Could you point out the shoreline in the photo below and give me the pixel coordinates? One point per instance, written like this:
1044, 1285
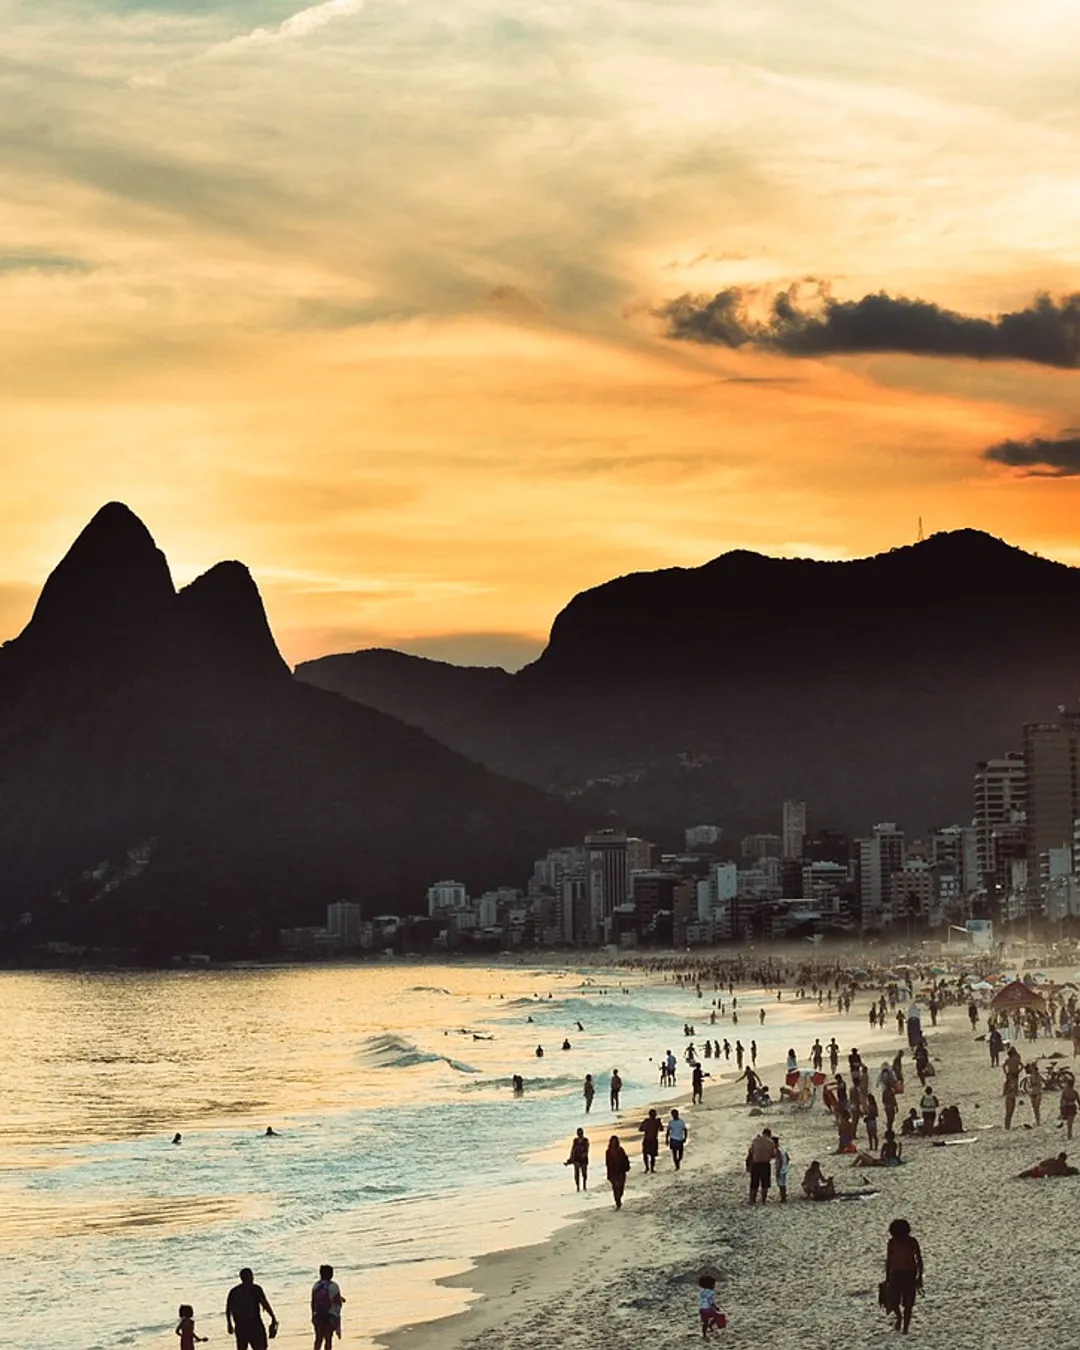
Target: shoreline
789, 1272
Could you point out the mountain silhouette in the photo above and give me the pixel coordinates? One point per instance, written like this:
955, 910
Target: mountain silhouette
869, 688
166, 784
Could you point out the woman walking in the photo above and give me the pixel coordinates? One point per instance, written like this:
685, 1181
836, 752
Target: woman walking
903, 1272
617, 1164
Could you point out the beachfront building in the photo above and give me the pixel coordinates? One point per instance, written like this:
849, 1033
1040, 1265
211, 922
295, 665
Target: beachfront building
1052, 768
793, 829
344, 923
956, 847
609, 878
445, 897
876, 859
1000, 824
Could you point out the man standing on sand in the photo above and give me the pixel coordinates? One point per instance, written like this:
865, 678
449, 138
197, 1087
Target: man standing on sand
817, 1056
616, 1088
995, 1043
243, 1314
650, 1139
834, 1055
675, 1137
759, 1161
1011, 1089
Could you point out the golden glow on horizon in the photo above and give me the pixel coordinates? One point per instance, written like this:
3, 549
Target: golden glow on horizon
365, 295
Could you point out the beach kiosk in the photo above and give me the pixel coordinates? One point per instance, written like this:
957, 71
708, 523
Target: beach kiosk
1015, 996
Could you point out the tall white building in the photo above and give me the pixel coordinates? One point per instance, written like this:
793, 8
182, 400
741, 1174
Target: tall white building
877, 858
716, 891
1000, 803
793, 830
446, 896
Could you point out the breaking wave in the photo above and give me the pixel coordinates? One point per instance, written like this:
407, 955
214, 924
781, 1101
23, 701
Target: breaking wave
396, 1052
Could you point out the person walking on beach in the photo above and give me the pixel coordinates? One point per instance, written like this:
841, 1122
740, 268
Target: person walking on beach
817, 1056
834, 1055
753, 1053
650, 1139
579, 1160
783, 1168
995, 1043
903, 1272
727, 1050
1035, 1091
870, 1118
739, 1052
326, 1301
617, 1165
759, 1161
616, 1088
697, 1085
712, 1319
243, 1313
675, 1137
1070, 1099
928, 1105
588, 1091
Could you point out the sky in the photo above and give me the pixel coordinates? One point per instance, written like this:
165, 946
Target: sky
437, 313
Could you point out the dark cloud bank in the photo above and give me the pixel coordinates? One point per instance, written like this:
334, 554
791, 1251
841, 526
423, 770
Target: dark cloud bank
1047, 332
1041, 458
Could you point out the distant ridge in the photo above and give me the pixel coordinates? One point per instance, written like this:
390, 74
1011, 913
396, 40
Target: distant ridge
869, 687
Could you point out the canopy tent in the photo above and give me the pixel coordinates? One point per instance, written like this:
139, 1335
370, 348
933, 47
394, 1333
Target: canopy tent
1017, 995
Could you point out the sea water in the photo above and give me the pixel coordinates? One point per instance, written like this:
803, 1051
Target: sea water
401, 1151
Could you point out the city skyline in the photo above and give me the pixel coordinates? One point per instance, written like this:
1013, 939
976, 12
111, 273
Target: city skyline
438, 320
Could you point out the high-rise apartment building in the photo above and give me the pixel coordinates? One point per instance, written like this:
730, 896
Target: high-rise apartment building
1000, 804
446, 896
877, 858
793, 830
343, 923
609, 877
1052, 767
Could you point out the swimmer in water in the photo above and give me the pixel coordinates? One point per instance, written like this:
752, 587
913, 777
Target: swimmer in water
177, 1137
271, 1133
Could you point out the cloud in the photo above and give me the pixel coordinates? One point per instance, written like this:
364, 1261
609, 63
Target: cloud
1046, 332
1042, 458
299, 25
26, 260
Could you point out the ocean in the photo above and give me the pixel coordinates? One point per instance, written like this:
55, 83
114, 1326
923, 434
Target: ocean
400, 1151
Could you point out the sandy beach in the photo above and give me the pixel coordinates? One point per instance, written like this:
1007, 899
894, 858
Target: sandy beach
998, 1250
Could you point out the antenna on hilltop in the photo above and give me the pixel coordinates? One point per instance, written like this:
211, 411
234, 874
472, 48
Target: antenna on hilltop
922, 537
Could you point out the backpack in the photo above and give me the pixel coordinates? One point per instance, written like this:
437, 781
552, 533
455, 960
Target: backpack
322, 1304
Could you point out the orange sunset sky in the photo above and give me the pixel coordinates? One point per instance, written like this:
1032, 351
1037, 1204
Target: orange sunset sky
377, 295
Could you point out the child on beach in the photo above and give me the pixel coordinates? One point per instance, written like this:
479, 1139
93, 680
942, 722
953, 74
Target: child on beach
712, 1319
186, 1328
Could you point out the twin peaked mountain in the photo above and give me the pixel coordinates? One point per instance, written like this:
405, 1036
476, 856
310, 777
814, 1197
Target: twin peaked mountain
165, 783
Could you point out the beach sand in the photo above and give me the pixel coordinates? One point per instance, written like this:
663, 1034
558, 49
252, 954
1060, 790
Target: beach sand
998, 1250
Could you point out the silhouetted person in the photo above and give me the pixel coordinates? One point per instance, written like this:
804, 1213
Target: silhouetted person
177, 1137
243, 1313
